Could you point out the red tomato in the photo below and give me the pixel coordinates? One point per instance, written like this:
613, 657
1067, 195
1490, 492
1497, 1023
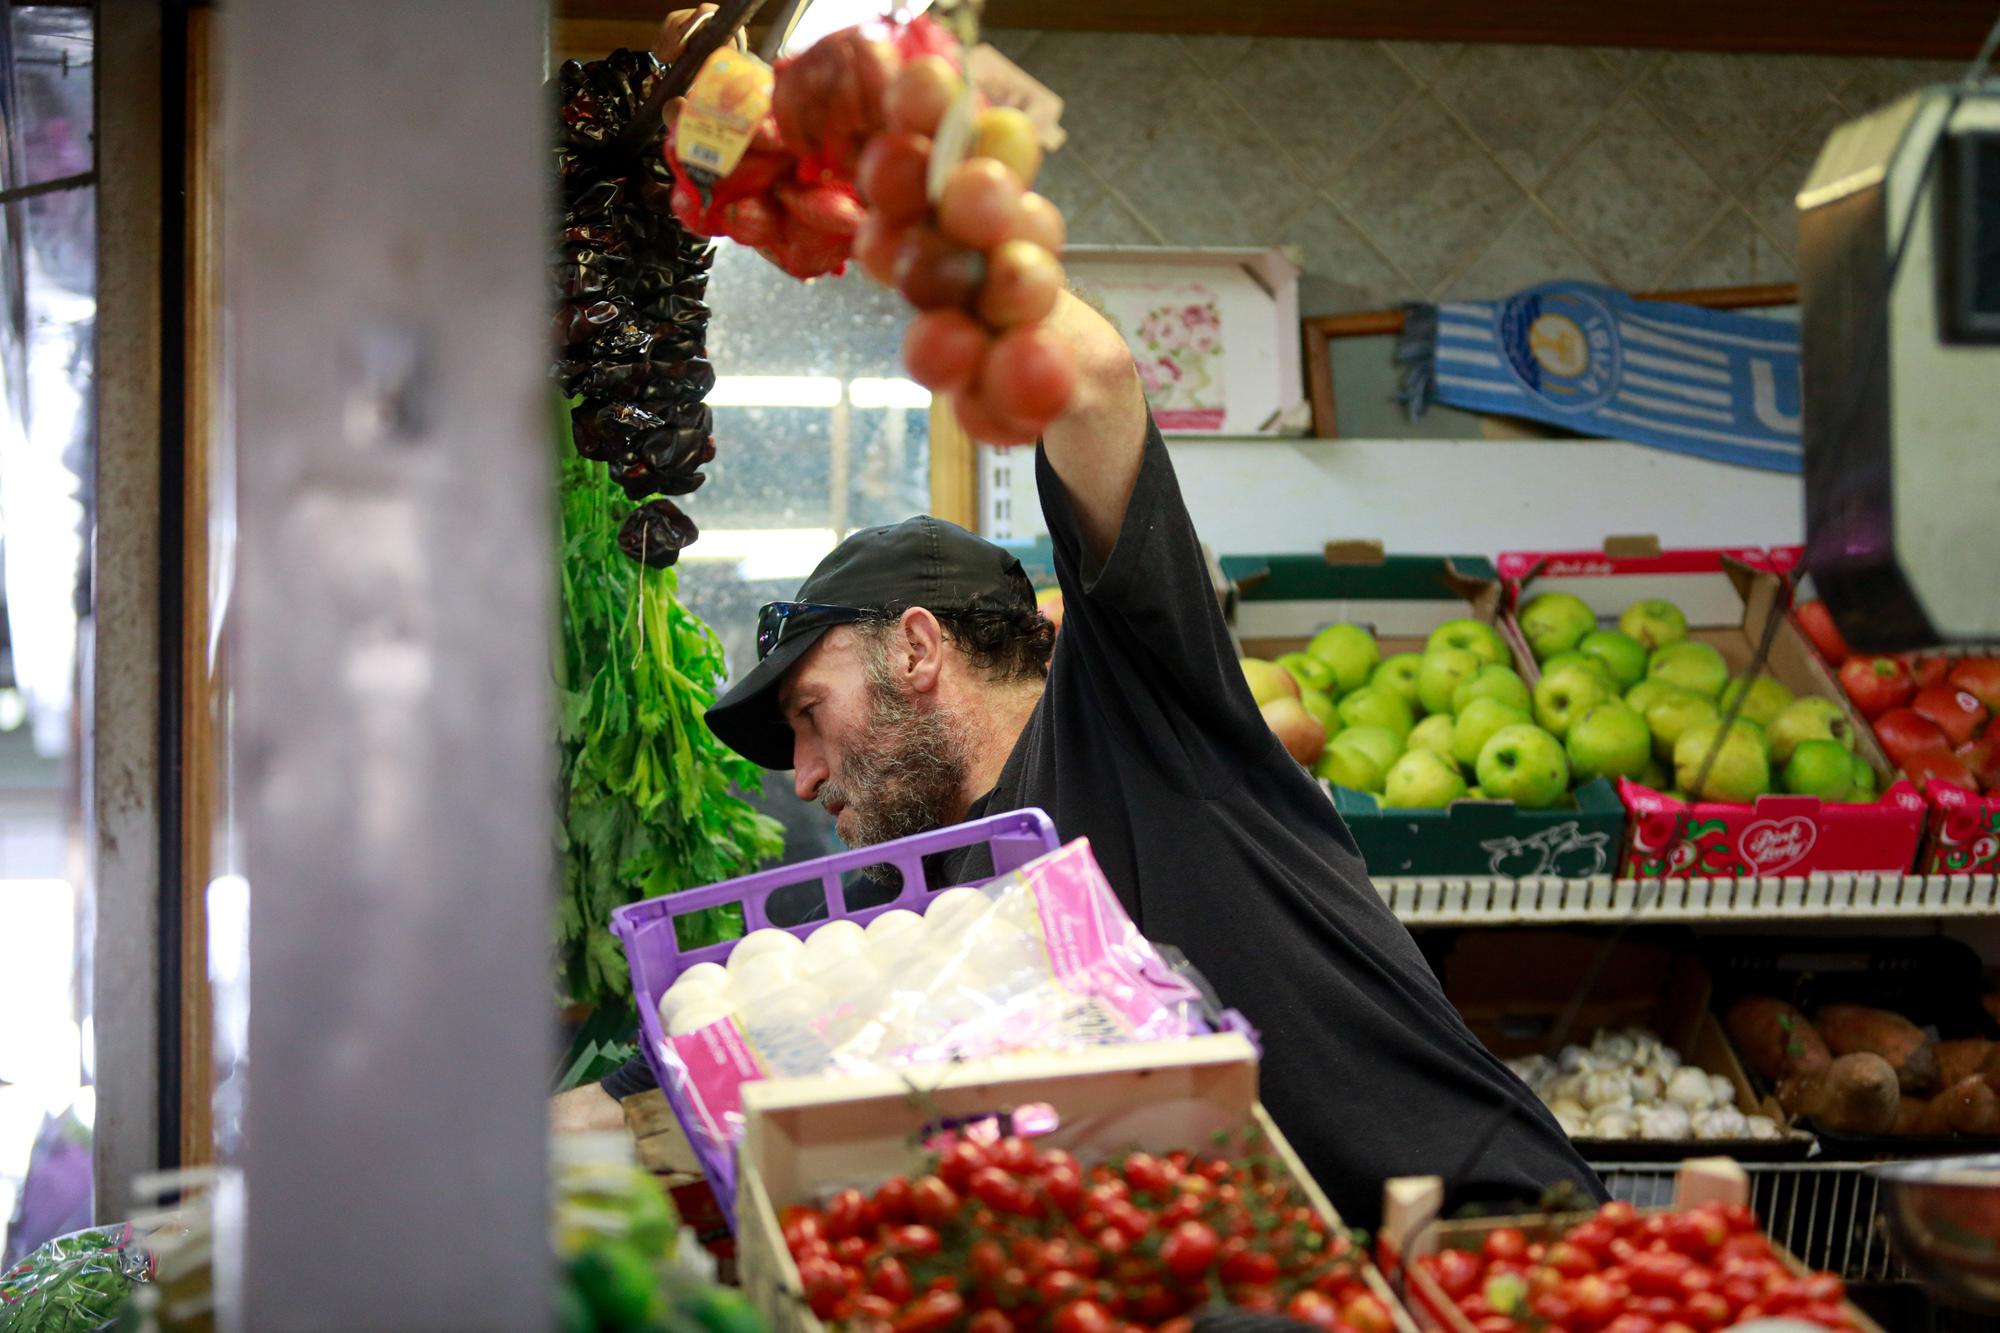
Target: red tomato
1134, 1222
1658, 1274
1062, 1185
1570, 1259
852, 1250
890, 1280
1178, 1324
1980, 678
1595, 1300
1697, 1233
801, 1226
1817, 622
1619, 1215
1059, 1286
1876, 684
1184, 1208
1014, 1153
1365, 1313
1310, 1307
998, 1190
1083, 1317
934, 1202
1739, 1216
1593, 1238
847, 1214
1706, 1310
963, 1158
1189, 1249
1745, 1245
986, 1260
911, 1240
827, 1285
1153, 1302
1958, 713
1505, 1243
1553, 1308
1456, 1271
1632, 1323
1826, 1288
932, 1312
1248, 1267
1145, 1174
990, 1321
1496, 1323
873, 1306
892, 1201
1071, 1257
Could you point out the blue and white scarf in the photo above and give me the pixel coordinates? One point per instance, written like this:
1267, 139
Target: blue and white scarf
1596, 361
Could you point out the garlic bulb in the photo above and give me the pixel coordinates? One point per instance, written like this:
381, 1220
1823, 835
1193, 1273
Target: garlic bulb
1606, 1087
1721, 1092
1761, 1126
1723, 1122
1664, 1122
1613, 1123
1572, 1119
1575, 1060
1647, 1086
1666, 1062
1613, 1048
1690, 1088
1563, 1086
1533, 1070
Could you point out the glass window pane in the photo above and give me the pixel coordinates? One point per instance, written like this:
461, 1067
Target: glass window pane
47, 102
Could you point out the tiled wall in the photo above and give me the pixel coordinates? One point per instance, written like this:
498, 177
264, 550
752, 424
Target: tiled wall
1406, 170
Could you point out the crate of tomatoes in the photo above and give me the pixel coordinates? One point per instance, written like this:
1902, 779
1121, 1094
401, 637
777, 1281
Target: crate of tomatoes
1087, 1192
1702, 1264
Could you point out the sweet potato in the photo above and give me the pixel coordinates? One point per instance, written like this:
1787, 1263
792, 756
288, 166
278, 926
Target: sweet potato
1855, 1094
1853, 1029
1969, 1106
1775, 1038
1913, 1118
1962, 1058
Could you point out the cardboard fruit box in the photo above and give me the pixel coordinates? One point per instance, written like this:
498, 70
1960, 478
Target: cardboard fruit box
1281, 601
805, 1137
1513, 988
1411, 1231
1729, 597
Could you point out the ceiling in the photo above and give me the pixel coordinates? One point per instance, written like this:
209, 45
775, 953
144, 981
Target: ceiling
1930, 28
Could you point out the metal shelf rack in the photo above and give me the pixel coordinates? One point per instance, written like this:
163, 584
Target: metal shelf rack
1499, 901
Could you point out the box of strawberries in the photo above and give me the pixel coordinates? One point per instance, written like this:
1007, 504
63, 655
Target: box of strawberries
1937, 718
1643, 671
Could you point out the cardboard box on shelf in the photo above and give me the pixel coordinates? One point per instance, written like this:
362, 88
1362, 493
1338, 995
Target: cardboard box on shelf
1730, 598
1961, 831
1513, 988
1281, 601
806, 1136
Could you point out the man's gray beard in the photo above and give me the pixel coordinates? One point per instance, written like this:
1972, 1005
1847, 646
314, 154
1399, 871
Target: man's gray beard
907, 778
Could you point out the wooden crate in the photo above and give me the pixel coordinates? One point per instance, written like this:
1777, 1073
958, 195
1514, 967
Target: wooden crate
805, 1136
1410, 1206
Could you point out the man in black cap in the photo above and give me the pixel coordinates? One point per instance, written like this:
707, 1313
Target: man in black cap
910, 684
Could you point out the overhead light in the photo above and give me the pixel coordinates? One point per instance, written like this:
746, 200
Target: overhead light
13, 708
896, 392
820, 17
775, 391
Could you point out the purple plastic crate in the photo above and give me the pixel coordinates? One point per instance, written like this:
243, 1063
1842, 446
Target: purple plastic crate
654, 955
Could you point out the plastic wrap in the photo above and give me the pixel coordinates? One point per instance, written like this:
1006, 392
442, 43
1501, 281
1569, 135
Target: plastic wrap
1043, 958
77, 1283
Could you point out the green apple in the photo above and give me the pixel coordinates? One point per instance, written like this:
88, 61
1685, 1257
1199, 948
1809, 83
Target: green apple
1564, 695
1624, 657
1492, 682
1577, 657
1525, 765
1370, 707
1610, 740
1656, 776
1399, 673
1740, 770
1820, 768
1421, 780
1349, 766
1673, 713
1654, 623
1864, 777
1268, 681
1433, 733
1476, 794
1690, 665
1555, 622
1438, 677
1308, 671
1350, 650
1378, 743
1475, 636
1322, 709
1476, 725
1641, 696
1808, 719
1762, 704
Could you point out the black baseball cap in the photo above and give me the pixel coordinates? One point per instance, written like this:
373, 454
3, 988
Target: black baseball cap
922, 561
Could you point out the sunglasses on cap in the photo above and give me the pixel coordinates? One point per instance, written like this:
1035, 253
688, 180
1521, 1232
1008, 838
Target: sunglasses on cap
774, 618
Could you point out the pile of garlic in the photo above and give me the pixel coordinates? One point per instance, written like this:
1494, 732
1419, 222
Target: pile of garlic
1628, 1084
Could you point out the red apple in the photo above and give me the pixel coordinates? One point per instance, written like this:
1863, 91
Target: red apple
1906, 733
1928, 671
1817, 622
1980, 678
1941, 765
1983, 758
1956, 712
1876, 684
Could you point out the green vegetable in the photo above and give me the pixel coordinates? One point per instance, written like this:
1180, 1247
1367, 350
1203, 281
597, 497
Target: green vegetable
649, 802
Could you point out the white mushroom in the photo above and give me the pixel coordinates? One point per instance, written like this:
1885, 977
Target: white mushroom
1689, 1088
1723, 1122
1664, 1122
1606, 1087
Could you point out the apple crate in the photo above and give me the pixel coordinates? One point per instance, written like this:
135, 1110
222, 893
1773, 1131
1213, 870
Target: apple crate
1962, 831
1729, 596
807, 1137
1411, 1230
1281, 601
